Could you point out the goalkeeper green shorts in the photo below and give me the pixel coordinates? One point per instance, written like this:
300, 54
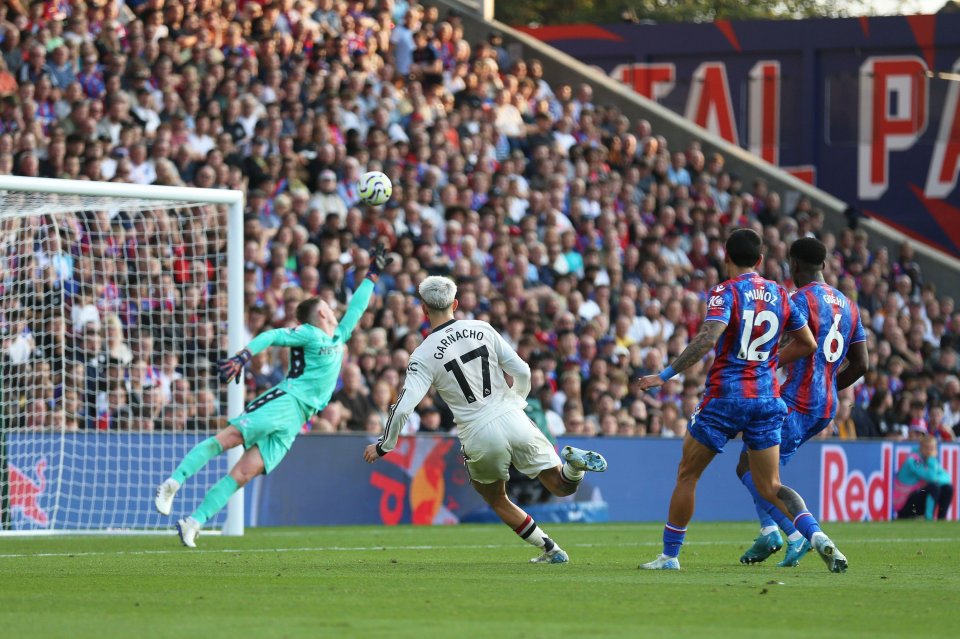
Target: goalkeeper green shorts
271, 422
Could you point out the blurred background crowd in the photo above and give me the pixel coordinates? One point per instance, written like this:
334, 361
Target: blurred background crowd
585, 237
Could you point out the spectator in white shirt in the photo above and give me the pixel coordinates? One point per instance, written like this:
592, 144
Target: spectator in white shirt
199, 141
651, 328
142, 170
673, 254
403, 43
145, 111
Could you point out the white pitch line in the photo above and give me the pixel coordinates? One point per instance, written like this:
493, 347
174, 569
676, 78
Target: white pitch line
638, 544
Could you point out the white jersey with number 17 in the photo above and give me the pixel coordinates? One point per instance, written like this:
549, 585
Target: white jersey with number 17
465, 361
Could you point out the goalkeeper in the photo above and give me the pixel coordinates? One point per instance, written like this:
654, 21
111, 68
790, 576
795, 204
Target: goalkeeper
270, 423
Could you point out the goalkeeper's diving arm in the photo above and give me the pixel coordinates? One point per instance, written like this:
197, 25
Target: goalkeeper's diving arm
231, 367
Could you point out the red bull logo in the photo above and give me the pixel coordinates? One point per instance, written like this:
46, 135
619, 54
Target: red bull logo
847, 494
24, 493
857, 485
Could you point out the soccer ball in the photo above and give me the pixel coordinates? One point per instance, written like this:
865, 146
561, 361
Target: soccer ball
375, 188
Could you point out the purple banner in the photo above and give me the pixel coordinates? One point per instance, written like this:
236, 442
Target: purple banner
864, 108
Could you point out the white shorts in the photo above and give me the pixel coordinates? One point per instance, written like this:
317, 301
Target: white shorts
491, 447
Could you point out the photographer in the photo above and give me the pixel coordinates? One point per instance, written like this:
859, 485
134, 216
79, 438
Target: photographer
922, 485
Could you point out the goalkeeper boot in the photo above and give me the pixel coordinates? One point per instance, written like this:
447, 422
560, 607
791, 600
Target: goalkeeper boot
795, 552
188, 530
555, 556
662, 562
164, 498
763, 546
584, 459
828, 551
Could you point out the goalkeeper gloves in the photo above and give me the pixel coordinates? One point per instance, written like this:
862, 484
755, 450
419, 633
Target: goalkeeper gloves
231, 368
378, 262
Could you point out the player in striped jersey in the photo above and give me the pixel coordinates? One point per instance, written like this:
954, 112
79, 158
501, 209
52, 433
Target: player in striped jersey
465, 361
746, 315
810, 391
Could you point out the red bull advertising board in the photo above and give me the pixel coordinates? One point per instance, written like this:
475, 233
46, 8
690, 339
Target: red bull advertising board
107, 482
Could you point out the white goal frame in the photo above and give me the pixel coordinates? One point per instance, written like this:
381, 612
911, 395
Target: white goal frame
234, 200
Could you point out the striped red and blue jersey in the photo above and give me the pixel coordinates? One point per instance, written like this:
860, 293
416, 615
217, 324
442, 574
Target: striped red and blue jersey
756, 312
811, 386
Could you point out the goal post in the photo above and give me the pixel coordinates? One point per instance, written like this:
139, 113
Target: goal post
115, 302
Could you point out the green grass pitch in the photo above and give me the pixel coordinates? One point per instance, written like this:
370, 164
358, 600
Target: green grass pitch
473, 581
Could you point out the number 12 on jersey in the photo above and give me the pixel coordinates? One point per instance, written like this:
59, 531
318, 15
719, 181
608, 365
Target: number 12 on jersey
750, 350
454, 367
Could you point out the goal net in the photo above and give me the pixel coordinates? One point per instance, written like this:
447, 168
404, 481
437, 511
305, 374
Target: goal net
116, 301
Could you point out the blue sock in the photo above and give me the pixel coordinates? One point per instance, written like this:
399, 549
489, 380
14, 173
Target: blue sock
771, 513
672, 539
782, 520
806, 524
761, 505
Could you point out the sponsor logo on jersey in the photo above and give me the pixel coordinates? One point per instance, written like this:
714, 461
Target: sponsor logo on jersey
715, 302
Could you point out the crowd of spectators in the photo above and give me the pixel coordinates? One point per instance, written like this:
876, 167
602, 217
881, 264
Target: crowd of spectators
584, 236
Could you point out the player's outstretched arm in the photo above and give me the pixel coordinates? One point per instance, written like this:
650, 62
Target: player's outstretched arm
361, 298
415, 387
231, 367
857, 363
702, 343
802, 343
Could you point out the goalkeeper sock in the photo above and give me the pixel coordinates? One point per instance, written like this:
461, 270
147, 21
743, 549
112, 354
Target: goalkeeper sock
215, 499
531, 533
196, 459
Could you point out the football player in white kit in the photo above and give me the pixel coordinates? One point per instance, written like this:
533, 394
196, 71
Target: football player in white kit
465, 361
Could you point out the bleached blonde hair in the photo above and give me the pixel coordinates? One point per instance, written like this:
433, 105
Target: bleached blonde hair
438, 292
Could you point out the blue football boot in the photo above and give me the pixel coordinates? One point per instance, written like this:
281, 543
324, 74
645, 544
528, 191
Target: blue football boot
763, 546
795, 552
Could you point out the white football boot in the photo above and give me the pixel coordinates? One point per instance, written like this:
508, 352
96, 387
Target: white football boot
662, 562
189, 530
164, 498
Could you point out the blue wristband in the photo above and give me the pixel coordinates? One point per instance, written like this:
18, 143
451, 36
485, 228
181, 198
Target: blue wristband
667, 373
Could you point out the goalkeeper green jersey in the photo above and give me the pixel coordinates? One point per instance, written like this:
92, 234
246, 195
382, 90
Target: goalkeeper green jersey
315, 357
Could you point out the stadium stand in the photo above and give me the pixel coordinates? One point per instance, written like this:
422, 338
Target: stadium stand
587, 237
